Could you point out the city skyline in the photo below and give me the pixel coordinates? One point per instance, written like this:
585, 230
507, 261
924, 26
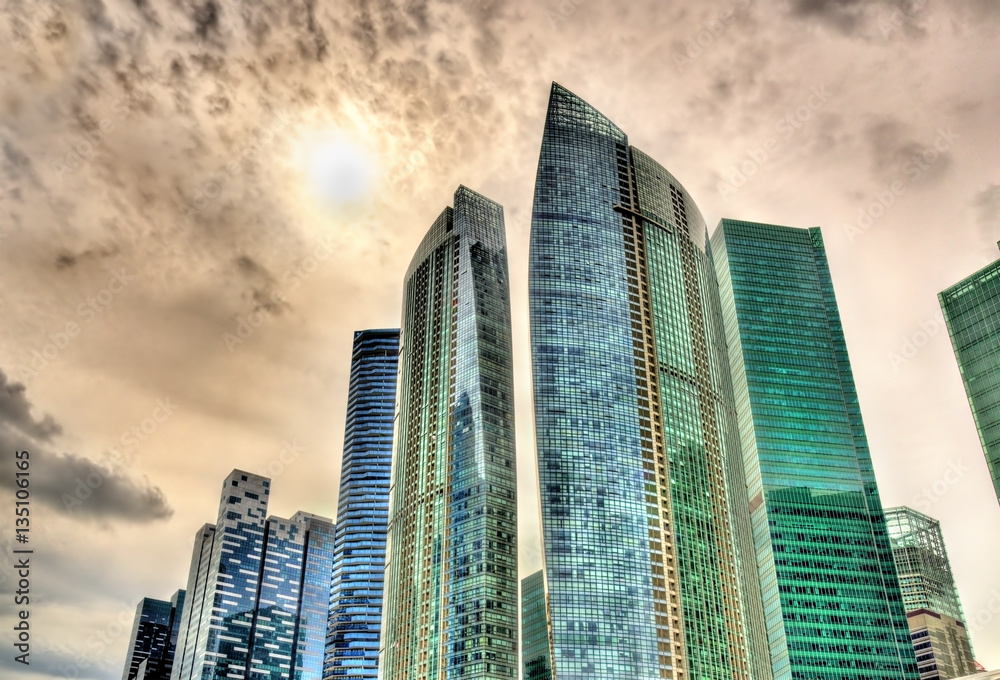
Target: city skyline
216, 283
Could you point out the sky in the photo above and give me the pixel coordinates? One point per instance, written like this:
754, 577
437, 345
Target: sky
201, 201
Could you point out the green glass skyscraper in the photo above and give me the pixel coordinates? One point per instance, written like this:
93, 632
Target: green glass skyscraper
972, 312
634, 419
450, 595
831, 596
535, 643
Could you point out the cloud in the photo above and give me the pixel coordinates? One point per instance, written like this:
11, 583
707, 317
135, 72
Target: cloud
71, 484
987, 206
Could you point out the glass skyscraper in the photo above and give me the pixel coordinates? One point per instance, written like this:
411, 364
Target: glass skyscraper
363, 509
258, 592
535, 643
154, 638
972, 312
831, 596
933, 611
451, 559
634, 419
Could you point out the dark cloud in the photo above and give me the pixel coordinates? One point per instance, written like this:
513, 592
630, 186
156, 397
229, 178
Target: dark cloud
895, 155
71, 484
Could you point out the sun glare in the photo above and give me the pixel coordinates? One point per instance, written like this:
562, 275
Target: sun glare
340, 171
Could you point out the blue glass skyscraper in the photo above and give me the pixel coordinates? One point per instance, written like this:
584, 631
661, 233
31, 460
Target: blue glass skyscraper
258, 592
363, 509
634, 419
451, 560
154, 638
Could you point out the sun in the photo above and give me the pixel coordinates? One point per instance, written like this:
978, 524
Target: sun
340, 171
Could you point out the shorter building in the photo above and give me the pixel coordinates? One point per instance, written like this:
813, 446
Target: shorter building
933, 610
535, 628
941, 644
154, 638
258, 591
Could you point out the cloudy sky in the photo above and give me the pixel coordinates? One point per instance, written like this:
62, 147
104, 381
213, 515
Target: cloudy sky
200, 201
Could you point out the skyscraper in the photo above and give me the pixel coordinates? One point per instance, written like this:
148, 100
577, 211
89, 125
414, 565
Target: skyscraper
972, 312
451, 558
634, 419
363, 509
535, 629
154, 638
831, 595
933, 610
258, 591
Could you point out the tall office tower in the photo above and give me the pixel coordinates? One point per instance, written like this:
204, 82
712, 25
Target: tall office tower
363, 509
154, 638
222, 584
258, 592
634, 419
831, 595
972, 312
451, 557
933, 610
535, 643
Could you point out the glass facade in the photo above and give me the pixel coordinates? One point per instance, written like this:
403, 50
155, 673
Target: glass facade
831, 596
154, 639
922, 562
535, 643
363, 509
934, 612
258, 592
634, 419
451, 556
972, 312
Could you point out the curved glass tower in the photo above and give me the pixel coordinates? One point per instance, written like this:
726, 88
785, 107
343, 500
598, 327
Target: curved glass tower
634, 419
363, 509
451, 571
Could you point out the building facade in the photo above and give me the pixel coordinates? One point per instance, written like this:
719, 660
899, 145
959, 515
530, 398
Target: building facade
258, 591
634, 419
941, 644
933, 610
535, 642
972, 313
451, 557
154, 638
831, 596
363, 509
